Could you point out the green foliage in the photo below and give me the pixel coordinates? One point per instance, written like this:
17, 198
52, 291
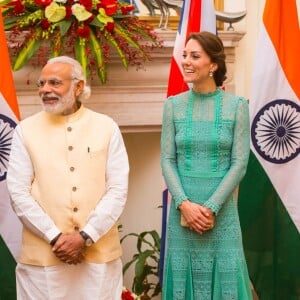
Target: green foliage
146, 264
91, 31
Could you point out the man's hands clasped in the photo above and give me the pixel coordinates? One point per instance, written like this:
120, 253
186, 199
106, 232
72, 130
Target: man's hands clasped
69, 248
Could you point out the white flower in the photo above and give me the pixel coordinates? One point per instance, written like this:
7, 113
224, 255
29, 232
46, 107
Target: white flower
54, 12
80, 12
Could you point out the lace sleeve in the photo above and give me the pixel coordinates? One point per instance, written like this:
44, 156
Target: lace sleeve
239, 158
168, 155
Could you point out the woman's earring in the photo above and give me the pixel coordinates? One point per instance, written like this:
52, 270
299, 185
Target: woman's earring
211, 74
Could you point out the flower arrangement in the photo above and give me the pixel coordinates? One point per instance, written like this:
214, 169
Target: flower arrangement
87, 29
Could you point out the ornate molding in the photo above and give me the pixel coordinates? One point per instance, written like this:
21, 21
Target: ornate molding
134, 98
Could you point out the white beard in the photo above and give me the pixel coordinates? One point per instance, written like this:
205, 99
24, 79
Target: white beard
62, 105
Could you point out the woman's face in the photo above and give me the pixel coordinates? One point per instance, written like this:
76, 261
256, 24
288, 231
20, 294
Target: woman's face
196, 64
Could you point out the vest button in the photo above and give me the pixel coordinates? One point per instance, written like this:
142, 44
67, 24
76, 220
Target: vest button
76, 228
72, 169
69, 128
70, 148
75, 209
74, 188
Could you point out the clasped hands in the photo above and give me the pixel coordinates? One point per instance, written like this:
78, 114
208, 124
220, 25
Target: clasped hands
69, 248
198, 217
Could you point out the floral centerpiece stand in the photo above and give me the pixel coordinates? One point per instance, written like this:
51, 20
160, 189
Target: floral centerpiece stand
86, 29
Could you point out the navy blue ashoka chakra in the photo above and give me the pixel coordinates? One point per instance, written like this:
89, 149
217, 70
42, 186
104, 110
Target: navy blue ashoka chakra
7, 126
275, 131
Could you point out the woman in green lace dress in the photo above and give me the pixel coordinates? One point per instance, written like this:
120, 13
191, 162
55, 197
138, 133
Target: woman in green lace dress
204, 154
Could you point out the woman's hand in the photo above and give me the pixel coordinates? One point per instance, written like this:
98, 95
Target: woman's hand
198, 217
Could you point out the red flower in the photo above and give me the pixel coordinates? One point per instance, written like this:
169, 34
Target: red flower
68, 12
18, 6
45, 24
111, 9
110, 26
126, 295
108, 2
89, 20
87, 4
110, 6
126, 9
83, 31
43, 2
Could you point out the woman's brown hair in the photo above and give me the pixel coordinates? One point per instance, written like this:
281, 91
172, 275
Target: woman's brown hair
214, 48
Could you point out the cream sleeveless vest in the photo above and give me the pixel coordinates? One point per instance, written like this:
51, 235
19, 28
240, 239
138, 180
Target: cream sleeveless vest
69, 155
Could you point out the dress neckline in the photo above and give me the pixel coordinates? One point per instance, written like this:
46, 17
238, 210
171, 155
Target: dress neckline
206, 95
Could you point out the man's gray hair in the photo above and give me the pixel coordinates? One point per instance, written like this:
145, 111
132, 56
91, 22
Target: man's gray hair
77, 73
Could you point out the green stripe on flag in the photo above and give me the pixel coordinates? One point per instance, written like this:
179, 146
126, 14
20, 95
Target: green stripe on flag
7, 273
271, 239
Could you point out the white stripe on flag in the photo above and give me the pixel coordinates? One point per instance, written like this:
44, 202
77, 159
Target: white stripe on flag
10, 226
181, 33
208, 23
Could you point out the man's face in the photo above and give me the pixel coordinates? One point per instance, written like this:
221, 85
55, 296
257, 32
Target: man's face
57, 89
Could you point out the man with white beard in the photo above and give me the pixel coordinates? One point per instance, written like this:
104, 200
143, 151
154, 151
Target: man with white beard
68, 180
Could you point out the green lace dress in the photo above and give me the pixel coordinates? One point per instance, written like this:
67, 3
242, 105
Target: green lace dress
204, 154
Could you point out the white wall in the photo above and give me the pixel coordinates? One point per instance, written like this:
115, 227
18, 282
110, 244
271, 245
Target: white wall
246, 50
142, 212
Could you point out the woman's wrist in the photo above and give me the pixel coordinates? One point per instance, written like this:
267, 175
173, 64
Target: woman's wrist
183, 203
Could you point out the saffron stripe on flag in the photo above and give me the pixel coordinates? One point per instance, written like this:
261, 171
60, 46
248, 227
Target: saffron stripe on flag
6, 78
282, 26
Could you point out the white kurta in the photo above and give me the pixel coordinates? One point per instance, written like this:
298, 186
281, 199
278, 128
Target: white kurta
83, 281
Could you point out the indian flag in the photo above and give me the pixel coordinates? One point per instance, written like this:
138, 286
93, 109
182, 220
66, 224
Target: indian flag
269, 197
10, 227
